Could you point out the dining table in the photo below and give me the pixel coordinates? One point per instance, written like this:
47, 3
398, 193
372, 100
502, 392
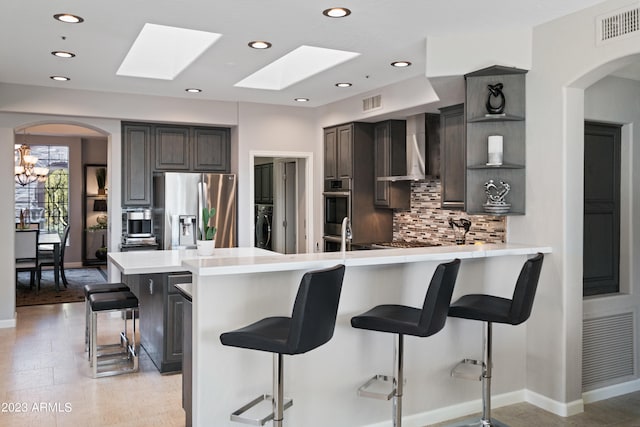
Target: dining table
53, 239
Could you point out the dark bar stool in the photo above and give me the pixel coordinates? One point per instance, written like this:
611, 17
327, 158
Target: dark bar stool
95, 288
119, 362
311, 324
491, 309
402, 320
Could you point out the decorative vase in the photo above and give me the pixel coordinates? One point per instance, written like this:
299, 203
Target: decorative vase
205, 247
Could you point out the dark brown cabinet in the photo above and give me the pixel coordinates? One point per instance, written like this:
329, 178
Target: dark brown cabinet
263, 183
148, 148
338, 149
390, 159
172, 148
453, 156
136, 164
210, 148
161, 315
183, 148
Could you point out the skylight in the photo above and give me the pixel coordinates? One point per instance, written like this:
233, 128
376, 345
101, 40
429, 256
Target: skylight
161, 52
297, 65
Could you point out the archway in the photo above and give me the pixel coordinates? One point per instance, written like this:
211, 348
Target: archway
79, 144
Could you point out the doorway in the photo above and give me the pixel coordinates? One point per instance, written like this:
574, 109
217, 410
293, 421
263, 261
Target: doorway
280, 202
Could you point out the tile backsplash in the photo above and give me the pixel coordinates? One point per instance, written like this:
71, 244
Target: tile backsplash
425, 221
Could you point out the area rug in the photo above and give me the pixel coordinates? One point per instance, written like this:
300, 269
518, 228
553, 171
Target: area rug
77, 278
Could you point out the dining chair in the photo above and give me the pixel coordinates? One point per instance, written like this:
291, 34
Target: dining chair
46, 256
26, 254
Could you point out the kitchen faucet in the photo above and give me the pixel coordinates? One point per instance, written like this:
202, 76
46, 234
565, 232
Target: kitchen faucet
346, 234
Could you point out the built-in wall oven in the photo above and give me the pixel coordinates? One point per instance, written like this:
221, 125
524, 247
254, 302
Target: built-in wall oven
337, 205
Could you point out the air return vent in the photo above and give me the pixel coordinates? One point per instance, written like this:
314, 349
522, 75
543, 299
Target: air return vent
621, 23
372, 103
607, 350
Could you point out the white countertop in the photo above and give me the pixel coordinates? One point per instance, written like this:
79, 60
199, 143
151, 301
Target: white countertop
212, 266
254, 260
147, 262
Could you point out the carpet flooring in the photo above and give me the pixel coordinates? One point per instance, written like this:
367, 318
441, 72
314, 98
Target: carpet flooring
77, 278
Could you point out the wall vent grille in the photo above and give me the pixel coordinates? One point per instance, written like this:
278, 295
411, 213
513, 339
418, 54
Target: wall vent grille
607, 350
372, 103
618, 24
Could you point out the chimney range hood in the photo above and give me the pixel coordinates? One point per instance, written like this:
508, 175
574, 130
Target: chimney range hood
416, 149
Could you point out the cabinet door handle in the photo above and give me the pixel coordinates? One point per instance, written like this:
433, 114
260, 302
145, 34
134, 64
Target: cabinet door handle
150, 286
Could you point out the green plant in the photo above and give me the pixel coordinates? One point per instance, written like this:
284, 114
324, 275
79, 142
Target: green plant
208, 232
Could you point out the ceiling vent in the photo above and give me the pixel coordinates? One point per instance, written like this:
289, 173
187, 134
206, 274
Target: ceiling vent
616, 25
372, 103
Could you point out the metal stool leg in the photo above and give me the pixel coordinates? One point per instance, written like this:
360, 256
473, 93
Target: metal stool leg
278, 390
487, 368
398, 380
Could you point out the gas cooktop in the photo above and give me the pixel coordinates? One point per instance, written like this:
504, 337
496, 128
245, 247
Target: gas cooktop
402, 244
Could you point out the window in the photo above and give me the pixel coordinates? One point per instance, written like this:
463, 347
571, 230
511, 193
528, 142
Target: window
47, 202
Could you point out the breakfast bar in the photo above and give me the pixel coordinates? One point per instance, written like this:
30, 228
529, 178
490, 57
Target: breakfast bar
240, 285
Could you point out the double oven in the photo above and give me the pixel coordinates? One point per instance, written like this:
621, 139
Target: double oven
337, 205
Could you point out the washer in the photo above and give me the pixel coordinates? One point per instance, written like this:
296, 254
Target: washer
264, 218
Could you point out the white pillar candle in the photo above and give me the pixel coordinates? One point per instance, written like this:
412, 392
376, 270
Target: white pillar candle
495, 150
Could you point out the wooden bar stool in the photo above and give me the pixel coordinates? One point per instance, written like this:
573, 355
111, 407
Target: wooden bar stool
311, 325
402, 320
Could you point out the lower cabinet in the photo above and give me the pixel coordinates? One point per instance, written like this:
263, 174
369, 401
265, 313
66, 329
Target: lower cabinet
187, 364
161, 318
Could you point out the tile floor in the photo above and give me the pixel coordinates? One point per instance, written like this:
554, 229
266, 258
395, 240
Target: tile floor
45, 375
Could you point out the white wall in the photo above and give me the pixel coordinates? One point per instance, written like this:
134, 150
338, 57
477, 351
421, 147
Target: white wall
555, 133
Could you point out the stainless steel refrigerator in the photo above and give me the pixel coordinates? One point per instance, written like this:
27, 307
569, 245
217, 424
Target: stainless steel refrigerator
178, 200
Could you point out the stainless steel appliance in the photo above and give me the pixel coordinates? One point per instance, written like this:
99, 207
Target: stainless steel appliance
353, 199
178, 200
264, 218
138, 223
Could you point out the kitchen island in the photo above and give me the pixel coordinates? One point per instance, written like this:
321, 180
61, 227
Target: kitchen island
242, 285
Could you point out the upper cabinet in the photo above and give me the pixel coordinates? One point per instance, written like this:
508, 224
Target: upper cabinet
136, 164
172, 148
338, 149
495, 141
183, 148
211, 149
149, 148
390, 159
452, 156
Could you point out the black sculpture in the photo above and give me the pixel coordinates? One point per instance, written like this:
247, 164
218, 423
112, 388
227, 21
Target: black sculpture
495, 91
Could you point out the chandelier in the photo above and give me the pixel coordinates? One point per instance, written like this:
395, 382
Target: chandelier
25, 169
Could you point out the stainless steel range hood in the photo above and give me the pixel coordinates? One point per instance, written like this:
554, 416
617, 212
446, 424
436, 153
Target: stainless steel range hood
416, 149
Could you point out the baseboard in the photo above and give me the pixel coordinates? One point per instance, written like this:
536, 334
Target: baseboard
455, 411
559, 408
9, 323
611, 391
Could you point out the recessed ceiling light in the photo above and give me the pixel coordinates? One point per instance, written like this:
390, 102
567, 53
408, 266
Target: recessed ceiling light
336, 12
68, 18
259, 44
193, 90
60, 78
62, 54
344, 84
301, 99
401, 64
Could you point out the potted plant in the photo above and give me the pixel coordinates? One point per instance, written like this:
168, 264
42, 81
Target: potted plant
101, 179
207, 233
